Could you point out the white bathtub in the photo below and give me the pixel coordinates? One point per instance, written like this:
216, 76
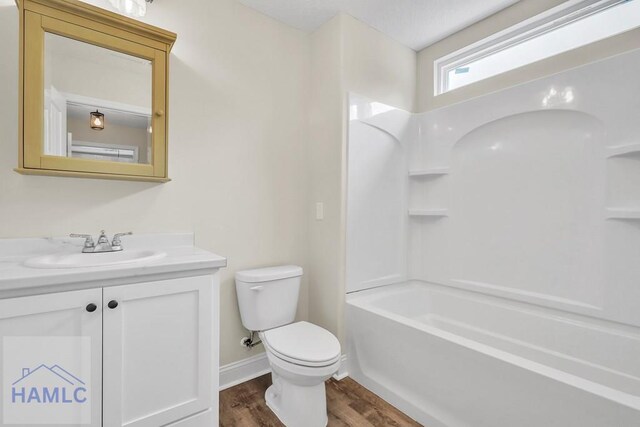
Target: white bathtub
450, 357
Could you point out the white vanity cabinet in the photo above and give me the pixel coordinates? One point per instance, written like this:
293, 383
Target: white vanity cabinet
158, 352
54, 315
153, 347
96, 341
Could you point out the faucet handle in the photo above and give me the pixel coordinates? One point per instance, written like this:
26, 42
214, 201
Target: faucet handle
116, 240
103, 237
88, 243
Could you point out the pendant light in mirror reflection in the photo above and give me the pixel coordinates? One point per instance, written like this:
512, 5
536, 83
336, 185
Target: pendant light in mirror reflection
96, 120
134, 8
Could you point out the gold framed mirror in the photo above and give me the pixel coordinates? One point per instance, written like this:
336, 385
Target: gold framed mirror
93, 95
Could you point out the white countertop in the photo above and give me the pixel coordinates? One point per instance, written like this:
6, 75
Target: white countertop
182, 258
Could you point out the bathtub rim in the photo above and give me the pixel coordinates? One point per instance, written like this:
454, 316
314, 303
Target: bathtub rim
362, 300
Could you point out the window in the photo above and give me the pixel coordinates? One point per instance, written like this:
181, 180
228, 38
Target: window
569, 26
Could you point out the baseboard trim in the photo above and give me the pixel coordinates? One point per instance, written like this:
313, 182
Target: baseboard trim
343, 372
243, 370
247, 369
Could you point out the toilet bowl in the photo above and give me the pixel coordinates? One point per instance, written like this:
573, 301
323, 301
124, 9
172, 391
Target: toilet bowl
297, 395
302, 356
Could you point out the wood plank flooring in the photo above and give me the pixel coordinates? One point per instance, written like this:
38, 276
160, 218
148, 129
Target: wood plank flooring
348, 404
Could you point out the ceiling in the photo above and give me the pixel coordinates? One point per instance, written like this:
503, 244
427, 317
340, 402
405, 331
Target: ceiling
414, 23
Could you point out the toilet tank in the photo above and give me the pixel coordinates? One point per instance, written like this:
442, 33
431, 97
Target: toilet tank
268, 297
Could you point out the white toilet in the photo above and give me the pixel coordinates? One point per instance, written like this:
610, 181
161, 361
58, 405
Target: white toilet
302, 355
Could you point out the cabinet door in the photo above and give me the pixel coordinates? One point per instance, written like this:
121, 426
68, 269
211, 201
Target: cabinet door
157, 351
51, 359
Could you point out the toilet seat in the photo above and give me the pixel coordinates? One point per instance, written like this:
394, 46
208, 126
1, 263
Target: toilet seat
304, 344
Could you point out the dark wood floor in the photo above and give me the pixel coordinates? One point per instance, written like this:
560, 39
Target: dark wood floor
348, 404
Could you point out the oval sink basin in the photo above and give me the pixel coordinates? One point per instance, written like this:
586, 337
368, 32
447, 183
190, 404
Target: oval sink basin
81, 260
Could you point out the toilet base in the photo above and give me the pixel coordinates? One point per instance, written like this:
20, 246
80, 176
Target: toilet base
295, 405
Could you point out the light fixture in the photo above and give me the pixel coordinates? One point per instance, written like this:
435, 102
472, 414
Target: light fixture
134, 8
96, 120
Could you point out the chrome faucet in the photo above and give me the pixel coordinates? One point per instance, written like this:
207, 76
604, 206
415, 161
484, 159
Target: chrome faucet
103, 244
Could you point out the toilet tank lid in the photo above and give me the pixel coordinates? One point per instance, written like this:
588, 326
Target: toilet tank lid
269, 273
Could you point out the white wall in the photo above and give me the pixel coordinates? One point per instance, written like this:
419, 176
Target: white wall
237, 153
346, 56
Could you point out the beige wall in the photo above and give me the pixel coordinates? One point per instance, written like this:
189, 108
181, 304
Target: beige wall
325, 175
377, 66
257, 137
346, 56
501, 20
238, 126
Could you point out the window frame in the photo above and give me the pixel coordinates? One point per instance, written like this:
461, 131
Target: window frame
560, 16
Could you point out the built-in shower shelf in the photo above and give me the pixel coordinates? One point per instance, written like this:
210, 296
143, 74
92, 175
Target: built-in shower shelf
623, 213
429, 212
623, 150
429, 172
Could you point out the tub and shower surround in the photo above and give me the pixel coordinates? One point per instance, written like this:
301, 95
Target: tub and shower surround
500, 285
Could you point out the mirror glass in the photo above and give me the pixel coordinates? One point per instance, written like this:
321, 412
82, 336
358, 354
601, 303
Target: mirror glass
97, 102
